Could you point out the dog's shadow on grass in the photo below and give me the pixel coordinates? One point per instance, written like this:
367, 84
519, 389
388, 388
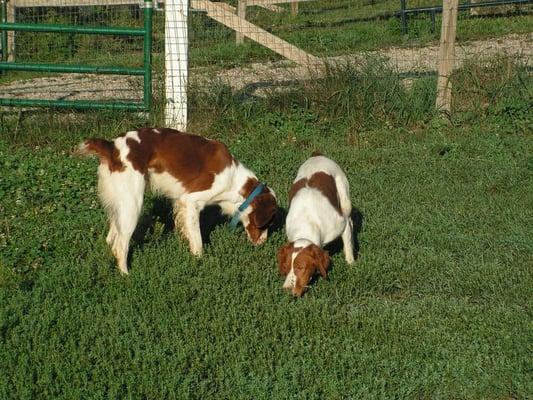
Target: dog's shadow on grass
278, 223
160, 214
160, 218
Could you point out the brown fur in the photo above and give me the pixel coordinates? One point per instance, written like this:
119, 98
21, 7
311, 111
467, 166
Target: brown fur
264, 208
295, 188
191, 159
320, 181
308, 262
284, 258
107, 152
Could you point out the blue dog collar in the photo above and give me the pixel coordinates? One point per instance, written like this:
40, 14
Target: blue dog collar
235, 218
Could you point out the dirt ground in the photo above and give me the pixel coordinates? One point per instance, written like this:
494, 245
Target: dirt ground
255, 76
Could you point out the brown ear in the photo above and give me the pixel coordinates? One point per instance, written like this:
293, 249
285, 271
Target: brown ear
265, 208
322, 259
284, 259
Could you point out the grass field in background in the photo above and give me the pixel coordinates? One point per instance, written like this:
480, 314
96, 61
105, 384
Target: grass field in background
331, 30
322, 28
437, 305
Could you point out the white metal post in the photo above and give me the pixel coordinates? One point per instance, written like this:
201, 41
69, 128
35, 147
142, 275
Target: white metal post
176, 56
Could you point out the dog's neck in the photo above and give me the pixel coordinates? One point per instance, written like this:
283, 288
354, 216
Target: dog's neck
235, 195
305, 230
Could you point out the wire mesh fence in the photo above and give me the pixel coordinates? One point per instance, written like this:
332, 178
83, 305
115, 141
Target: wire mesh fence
355, 32
326, 29
254, 44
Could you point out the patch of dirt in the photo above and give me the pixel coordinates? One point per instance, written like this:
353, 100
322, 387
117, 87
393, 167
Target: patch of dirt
258, 75
76, 87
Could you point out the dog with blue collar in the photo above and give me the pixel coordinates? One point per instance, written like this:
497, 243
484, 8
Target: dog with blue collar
256, 213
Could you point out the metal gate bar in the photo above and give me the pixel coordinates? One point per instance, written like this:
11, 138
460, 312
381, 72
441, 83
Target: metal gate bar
145, 71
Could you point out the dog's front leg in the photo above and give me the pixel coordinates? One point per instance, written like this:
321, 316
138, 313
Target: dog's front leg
187, 218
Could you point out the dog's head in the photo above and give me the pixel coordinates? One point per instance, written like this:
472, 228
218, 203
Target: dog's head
299, 261
263, 209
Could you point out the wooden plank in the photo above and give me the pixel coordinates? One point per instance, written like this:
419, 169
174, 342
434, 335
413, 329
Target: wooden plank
294, 7
241, 12
228, 7
10, 17
255, 33
272, 7
446, 57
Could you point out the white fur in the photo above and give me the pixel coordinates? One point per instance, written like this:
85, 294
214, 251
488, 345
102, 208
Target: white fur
122, 195
290, 280
312, 217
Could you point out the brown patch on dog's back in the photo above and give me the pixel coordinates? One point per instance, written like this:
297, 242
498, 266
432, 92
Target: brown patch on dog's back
295, 188
321, 181
191, 159
326, 184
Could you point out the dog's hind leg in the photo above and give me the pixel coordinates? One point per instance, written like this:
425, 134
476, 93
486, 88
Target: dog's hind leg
122, 196
347, 241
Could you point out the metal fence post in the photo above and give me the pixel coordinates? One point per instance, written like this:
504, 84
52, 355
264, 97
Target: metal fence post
147, 50
3, 18
403, 16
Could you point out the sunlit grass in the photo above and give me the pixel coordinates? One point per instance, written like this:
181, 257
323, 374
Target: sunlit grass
436, 306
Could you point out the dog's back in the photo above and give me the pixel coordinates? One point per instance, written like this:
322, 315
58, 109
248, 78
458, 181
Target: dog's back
324, 174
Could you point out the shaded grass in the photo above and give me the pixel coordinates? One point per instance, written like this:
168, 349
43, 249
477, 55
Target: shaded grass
438, 304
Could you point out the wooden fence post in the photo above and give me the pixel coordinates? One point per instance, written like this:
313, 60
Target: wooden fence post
241, 13
10, 17
294, 7
446, 57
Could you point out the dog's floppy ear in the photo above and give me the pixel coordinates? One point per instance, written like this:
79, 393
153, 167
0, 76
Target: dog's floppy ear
284, 258
322, 259
265, 208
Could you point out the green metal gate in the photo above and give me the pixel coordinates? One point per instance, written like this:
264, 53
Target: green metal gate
145, 71
3, 34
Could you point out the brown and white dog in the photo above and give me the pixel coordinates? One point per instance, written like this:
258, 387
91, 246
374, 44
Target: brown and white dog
319, 212
190, 170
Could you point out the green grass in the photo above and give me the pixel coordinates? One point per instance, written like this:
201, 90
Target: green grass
438, 304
